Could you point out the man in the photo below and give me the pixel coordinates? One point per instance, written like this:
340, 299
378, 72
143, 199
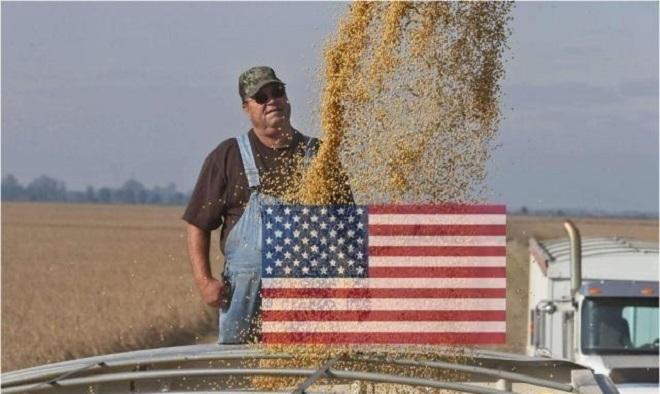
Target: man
237, 178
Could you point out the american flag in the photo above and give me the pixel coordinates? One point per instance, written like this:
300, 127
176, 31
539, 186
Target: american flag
384, 274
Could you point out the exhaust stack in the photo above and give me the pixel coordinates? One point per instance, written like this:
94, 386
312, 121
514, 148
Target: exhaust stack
576, 256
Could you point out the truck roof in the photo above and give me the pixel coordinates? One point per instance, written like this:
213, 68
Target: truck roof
602, 258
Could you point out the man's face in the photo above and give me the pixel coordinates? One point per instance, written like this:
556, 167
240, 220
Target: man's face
269, 109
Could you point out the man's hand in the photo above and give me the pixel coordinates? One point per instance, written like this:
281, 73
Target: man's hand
212, 290
214, 293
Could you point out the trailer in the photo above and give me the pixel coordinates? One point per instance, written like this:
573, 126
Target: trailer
233, 368
594, 301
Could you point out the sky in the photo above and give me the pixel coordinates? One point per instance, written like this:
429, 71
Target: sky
96, 93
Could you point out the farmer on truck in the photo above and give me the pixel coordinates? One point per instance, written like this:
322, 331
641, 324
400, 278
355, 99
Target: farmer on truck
236, 179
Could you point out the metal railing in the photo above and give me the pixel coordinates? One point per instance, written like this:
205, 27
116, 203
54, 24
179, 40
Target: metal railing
130, 368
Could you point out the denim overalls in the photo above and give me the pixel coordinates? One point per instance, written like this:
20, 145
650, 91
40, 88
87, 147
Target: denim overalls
243, 256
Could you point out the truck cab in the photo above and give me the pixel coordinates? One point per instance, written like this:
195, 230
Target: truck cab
594, 301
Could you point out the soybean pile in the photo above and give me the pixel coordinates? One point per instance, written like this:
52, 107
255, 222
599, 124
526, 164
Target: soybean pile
410, 104
408, 112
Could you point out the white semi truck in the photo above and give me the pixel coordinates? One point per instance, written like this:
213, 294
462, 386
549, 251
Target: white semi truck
594, 301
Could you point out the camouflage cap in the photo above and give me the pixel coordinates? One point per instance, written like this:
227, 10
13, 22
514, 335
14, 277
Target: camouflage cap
254, 79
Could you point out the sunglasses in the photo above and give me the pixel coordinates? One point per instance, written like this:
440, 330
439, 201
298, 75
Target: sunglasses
275, 93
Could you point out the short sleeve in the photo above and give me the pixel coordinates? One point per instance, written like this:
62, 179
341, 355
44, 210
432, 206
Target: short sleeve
207, 204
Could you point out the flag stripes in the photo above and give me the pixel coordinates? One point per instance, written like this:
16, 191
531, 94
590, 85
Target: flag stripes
392, 315
415, 229
382, 293
436, 261
387, 283
381, 304
383, 326
406, 338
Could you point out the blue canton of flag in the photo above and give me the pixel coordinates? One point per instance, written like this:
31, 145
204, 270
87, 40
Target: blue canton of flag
314, 241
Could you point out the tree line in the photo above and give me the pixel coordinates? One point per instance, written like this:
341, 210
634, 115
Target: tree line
48, 189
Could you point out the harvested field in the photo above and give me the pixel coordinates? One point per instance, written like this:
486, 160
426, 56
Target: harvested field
79, 280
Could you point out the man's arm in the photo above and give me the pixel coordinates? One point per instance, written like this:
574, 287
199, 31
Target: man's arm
211, 289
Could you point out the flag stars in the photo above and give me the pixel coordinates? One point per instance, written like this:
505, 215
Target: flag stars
314, 241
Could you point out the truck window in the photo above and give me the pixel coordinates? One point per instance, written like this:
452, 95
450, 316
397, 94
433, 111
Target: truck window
643, 322
538, 332
620, 325
567, 328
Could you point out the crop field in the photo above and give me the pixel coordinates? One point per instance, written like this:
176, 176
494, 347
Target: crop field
81, 280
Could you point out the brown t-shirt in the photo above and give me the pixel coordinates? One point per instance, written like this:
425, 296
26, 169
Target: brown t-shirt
222, 188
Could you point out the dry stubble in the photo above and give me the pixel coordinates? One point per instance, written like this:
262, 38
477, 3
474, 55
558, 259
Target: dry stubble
81, 280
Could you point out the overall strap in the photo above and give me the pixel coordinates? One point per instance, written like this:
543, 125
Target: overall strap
250, 168
310, 151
